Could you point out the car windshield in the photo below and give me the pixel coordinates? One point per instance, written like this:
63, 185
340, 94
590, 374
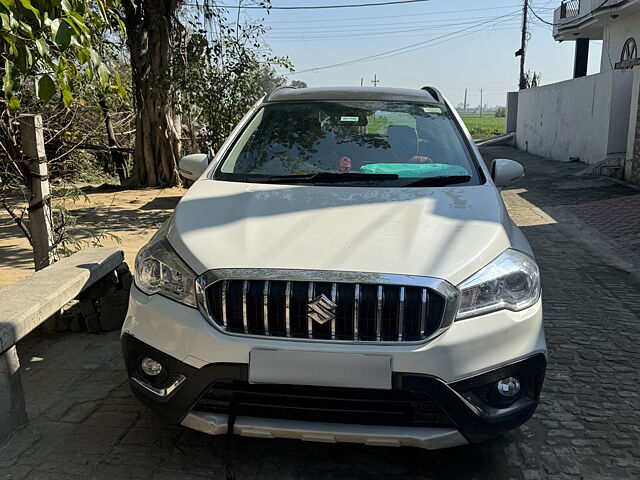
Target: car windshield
354, 143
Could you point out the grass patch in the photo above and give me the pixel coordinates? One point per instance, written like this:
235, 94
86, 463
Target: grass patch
484, 126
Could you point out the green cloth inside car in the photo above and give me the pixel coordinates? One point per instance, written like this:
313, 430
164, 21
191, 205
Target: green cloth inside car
416, 170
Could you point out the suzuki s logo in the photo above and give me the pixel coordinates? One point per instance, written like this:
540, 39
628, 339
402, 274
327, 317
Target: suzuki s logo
321, 309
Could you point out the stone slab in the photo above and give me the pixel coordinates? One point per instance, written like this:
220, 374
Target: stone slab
26, 304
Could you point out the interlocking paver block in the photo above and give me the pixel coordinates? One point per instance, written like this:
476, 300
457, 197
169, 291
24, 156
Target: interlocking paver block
587, 425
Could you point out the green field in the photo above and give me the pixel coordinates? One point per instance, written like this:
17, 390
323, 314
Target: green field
484, 126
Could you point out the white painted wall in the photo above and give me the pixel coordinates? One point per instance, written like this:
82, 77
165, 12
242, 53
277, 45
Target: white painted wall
633, 123
621, 87
616, 33
576, 118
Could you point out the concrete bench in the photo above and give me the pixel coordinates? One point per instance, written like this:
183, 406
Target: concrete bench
28, 303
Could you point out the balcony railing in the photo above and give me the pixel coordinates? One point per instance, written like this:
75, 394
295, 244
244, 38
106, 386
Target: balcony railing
569, 8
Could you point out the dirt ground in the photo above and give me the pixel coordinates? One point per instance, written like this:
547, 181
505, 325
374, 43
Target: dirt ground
131, 215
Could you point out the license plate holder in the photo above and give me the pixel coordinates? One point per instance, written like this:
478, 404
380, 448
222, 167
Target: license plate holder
326, 369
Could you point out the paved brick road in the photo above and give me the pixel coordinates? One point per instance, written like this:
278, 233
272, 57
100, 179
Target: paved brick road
86, 424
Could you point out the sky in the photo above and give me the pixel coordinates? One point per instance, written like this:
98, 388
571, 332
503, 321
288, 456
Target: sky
465, 44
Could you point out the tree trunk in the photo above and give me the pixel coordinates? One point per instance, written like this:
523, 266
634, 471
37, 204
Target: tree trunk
117, 156
149, 25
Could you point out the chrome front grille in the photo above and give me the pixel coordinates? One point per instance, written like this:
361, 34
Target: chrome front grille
294, 305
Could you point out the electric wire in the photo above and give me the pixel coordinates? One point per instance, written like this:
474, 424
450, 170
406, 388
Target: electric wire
539, 17
341, 34
352, 27
406, 48
316, 7
412, 34
413, 15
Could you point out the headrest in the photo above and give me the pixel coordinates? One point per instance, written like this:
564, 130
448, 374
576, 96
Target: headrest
402, 137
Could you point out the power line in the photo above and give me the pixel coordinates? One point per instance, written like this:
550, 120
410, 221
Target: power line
360, 26
316, 7
467, 33
539, 17
383, 33
405, 49
382, 56
504, 7
362, 36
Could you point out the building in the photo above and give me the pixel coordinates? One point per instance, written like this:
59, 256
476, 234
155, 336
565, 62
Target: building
594, 118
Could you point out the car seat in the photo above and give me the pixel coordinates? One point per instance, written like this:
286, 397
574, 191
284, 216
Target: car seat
403, 141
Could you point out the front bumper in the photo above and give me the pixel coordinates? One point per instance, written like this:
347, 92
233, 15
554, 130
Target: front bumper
473, 417
456, 371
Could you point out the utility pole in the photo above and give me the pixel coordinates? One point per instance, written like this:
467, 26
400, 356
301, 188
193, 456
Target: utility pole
465, 100
375, 80
481, 92
523, 44
361, 81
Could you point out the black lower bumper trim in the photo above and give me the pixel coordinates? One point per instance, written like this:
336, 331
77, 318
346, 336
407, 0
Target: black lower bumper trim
321, 404
468, 403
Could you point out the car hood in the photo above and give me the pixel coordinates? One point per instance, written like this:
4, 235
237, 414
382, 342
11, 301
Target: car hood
448, 232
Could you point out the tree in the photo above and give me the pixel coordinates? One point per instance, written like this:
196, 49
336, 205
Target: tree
226, 67
151, 27
298, 84
47, 47
53, 42
532, 79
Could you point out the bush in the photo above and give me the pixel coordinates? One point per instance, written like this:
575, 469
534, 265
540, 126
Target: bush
501, 112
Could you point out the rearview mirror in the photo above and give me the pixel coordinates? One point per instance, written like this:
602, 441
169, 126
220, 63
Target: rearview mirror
505, 172
192, 166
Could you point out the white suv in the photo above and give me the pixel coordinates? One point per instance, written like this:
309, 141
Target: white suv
344, 270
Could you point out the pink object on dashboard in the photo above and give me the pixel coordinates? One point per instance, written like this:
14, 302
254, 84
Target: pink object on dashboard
345, 165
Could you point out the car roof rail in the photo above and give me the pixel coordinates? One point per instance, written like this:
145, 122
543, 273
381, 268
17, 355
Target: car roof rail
434, 93
283, 87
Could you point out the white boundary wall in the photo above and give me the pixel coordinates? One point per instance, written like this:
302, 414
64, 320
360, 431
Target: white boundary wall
585, 118
634, 124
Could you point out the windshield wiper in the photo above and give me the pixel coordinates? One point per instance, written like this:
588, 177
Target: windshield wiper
325, 177
439, 181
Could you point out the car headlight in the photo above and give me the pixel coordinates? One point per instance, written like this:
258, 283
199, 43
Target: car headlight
511, 281
160, 270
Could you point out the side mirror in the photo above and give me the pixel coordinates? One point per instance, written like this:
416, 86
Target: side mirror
192, 166
505, 172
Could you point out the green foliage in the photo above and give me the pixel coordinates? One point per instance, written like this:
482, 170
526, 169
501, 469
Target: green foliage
54, 41
532, 79
76, 149
224, 73
484, 126
69, 237
298, 84
501, 112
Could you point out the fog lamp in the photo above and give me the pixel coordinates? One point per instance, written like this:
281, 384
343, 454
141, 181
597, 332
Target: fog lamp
509, 387
150, 367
